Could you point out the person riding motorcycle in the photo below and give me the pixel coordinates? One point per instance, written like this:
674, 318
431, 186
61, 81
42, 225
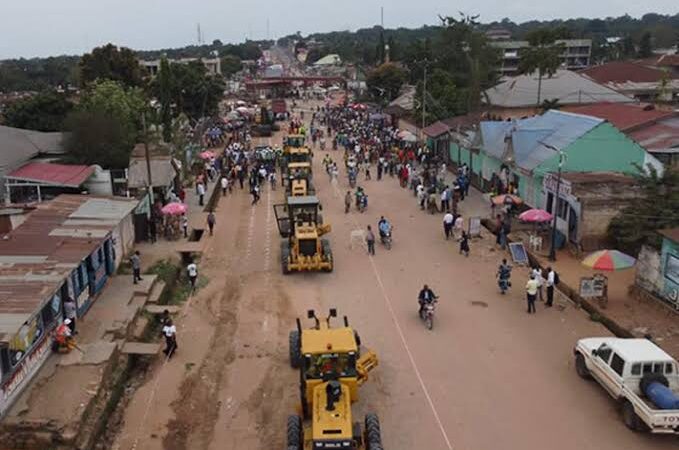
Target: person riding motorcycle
361, 199
384, 226
504, 272
425, 297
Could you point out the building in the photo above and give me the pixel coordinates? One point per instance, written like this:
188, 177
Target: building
517, 97
587, 202
329, 60
646, 84
213, 65
18, 146
657, 269
654, 129
498, 34
38, 181
66, 248
667, 62
576, 55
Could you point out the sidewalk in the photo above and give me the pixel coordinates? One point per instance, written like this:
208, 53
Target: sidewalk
64, 401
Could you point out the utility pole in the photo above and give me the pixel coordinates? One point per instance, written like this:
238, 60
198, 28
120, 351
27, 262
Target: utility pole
146, 152
382, 17
268, 30
555, 201
424, 96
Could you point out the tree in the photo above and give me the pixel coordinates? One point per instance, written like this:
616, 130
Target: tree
443, 98
195, 92
110, 63
379, 49
45, 111
106, 125
231, 64
165, 90
543, 56
657, 209
645, 46
385, 81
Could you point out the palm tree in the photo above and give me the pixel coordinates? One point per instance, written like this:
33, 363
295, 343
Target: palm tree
543, 56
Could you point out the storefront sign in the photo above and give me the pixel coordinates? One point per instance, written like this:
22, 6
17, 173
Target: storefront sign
26, 369
474, 226
592, 287
550, 181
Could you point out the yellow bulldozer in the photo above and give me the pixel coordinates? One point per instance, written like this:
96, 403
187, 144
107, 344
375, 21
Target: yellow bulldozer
301, 226
332, 366
292, 141
298, 171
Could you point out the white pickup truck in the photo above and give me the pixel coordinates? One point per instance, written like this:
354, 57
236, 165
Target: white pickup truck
639, 375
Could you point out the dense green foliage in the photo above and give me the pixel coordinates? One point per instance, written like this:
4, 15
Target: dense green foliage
657, 209
45, 111
106, 125
543, 56
110, 63
38, 74
385, 81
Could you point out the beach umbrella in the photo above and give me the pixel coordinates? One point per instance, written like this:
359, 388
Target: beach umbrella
501, 199
535, 216
174, 209
207, 154
609, 260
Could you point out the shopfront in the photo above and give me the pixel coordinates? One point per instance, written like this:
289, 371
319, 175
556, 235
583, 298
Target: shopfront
23, 355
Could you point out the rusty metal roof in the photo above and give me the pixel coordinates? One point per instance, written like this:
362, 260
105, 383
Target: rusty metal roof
36, 257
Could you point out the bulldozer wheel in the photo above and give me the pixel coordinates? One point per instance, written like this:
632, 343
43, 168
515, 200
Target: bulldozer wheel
295, 432
285, 258
373, 433
327, 254
295, 349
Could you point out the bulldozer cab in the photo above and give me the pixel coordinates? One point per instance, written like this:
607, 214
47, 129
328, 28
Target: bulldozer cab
293, 141
297, 212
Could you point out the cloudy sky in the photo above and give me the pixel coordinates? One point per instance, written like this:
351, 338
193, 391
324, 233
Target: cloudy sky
48, 27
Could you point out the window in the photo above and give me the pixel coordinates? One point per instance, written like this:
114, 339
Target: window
562, 209
617, 364
550, 202
604, 353
648, 368
658, 367
636, 369
668, 369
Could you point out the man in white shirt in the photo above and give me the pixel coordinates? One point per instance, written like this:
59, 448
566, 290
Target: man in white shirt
448, 221
225, 184
192, 272
170, 334
537, 273
551, 277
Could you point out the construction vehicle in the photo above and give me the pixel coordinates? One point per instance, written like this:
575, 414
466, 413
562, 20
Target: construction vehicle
293, 141
332, 366
301, 226
298, 172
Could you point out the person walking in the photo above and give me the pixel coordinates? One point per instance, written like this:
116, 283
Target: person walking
192, 272
225, 185
531, 292
370, 240
135, 260
201, 193
70, 313
464, 244
211, 220
185, 225
537, 273
551, 282
170, 334
459, 226
448, 221
347, 202
255, 194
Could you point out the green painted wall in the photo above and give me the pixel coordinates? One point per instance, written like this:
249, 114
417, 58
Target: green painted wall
602, 149
453, 152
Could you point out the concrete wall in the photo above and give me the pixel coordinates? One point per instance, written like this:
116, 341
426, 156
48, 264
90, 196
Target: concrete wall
648, 274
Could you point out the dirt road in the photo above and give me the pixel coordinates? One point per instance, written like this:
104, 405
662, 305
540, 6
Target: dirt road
488, 376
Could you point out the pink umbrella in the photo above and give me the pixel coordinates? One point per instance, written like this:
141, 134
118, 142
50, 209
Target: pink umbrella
207, 154
174, 209
535, 215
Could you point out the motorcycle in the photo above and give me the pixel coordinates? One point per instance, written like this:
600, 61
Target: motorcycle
427, 314
352, 180
386, 239
362, 203
504, 285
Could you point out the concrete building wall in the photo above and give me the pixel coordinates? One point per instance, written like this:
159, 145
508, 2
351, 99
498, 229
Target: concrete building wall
648, 271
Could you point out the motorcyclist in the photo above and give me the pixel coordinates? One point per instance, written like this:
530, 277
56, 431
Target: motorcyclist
360, 198
384, 226
504, 272
426, 297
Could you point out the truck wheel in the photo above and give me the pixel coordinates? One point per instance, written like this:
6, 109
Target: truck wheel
294, 432
581, 367
295, 349
630, 417
373, 434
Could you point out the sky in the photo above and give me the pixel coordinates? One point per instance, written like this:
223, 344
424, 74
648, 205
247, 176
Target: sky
30, 28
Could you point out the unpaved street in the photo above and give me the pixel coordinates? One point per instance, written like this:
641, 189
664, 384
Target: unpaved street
488, 376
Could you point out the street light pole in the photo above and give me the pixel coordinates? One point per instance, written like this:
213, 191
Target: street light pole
424, 97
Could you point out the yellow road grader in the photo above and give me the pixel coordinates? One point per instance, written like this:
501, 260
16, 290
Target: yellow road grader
332, 366
301, 226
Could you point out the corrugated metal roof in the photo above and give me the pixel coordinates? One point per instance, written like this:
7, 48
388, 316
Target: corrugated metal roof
436, 129
37, 256
567, 87
162, 172
53, 174
533, 137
